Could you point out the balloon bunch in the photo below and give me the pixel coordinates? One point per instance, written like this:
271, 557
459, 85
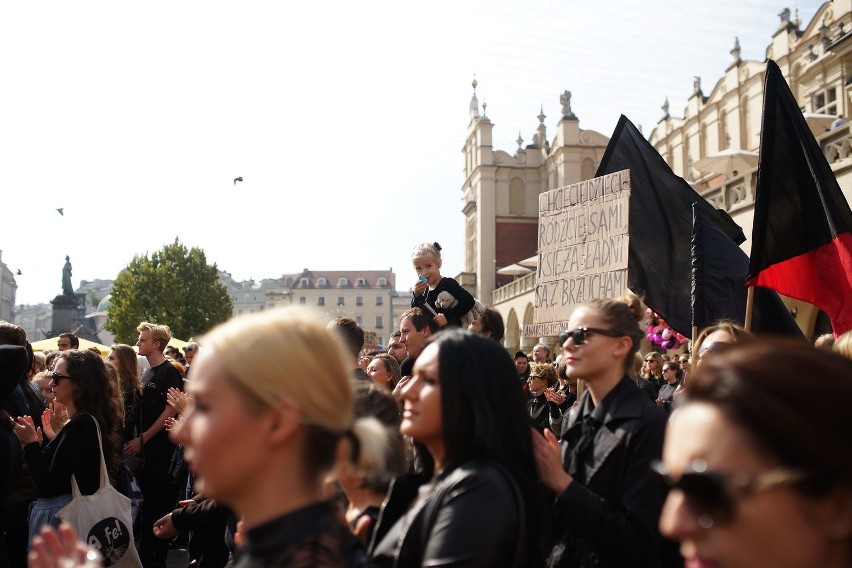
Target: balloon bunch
659, 332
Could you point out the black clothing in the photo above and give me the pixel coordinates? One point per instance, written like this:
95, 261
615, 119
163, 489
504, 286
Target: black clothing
311, 537
406, 368
158, 488
608, 515
470, 517
207, 520
156, 383
13, 365
453, 315
132, 427
646, 386
74, 451
542, 412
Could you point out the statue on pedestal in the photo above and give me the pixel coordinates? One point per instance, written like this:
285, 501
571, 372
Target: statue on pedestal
67, 287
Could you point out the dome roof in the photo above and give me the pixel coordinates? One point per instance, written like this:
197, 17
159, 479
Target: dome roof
104, 304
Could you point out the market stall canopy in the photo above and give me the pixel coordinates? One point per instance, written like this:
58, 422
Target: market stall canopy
52, 344
514, 270
531, 262
727, 161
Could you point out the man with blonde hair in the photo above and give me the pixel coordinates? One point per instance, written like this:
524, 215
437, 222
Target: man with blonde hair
158, 488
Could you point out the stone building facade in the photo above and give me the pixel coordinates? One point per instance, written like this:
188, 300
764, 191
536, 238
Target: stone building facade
500, 194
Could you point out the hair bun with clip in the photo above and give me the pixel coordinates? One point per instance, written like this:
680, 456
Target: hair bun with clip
437, 247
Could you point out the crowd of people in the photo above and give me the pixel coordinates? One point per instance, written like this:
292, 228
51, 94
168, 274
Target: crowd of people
288, 446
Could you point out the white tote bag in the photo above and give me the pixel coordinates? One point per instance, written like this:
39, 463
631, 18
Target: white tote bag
103, 519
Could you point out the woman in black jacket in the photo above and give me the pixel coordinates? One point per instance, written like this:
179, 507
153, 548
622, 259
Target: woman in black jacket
606, 510
473, 505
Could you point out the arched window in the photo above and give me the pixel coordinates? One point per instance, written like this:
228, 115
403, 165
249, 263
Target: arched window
360, 282
322, 282
383, 282
343, 282
304, 282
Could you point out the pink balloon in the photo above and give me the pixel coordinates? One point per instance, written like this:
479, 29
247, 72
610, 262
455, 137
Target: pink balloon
650, 337
667, 333
658, 339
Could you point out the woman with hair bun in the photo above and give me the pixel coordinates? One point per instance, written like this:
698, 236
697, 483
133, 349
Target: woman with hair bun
272, 401
606, 511
757, 460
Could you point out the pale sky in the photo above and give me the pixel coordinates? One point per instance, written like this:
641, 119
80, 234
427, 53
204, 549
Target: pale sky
345, 119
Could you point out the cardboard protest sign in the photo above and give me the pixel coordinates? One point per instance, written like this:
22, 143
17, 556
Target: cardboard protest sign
582, 248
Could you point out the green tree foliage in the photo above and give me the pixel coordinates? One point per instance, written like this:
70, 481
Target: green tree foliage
175, 287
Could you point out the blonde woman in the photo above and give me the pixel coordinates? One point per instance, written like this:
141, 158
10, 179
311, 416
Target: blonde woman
271, 403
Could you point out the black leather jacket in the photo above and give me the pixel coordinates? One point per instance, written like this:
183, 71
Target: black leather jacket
470, 517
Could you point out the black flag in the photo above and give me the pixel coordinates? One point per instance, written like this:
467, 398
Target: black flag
719, 270
659, 266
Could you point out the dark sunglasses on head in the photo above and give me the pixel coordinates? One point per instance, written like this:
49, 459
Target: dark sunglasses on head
580, 334
712, 496
714, 347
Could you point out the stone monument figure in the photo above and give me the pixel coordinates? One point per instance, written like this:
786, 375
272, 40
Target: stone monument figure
67, 287
565, 100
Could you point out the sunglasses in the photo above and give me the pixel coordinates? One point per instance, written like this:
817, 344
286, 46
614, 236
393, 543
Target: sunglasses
56, 377
580, 334
712, 496
714, 347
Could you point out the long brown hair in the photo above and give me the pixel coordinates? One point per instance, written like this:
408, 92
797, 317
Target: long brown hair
96, 396
127, 367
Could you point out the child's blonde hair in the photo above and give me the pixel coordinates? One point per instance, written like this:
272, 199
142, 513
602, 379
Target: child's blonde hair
424, 250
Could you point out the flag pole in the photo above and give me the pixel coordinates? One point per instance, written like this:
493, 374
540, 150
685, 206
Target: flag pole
693, 356
749, 307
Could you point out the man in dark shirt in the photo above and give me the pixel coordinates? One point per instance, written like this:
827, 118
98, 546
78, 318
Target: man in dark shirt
158, 489
351, 335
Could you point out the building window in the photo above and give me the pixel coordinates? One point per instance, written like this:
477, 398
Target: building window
383, 282
302, 300
380, 322
340, 301
825, 101
381, 339
360, 282
343, 282
380, 300
322, 282
359, 301
359, 320
303, 282
321, 301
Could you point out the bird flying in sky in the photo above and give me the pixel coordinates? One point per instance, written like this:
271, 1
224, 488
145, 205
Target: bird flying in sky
236, 179
61, 211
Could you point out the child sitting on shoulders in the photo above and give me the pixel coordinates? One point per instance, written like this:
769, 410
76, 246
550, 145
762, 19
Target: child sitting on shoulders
430, 284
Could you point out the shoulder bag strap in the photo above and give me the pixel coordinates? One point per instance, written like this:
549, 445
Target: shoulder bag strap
75, 489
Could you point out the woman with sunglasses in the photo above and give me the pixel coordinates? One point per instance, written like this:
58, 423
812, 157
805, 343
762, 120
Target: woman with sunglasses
672, 375
473, 502
81, 383
652, 370
758, 464
606, 511
719, 337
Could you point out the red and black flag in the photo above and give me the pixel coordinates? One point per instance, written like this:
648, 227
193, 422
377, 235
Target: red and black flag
802, 244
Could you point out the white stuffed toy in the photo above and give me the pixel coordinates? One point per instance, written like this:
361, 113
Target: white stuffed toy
446, 301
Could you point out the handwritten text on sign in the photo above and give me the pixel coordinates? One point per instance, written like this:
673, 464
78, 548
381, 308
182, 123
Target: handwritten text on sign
582, 244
